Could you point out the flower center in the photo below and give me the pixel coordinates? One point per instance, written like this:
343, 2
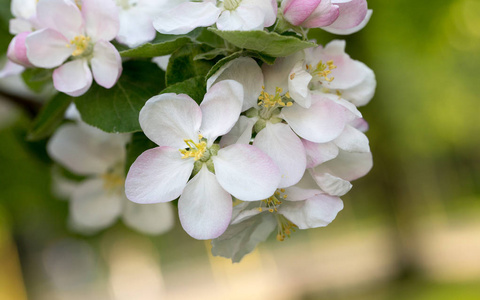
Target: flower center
271, 204
112, 180
82, 44
284, 228
323, 70
269, 102
231, 4
195, 150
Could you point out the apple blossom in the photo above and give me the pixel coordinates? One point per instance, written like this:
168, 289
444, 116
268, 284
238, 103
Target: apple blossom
97, 201
74, 38
226, 14
185, 133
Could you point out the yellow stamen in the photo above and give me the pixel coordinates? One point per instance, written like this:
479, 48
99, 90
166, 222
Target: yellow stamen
195, 150
112, 180
271, 101
323, 70
81, 44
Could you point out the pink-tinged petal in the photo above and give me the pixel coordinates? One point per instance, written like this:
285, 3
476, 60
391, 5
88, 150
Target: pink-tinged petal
325, 14
348, 165
304, 189
205, 208
276, 75
106, 64
221, 108
158, 175
318, 211
242, 18
151, 219
345, 31
352, 13
360, 124
332, 185
241, 133
168, 119
92, 207
246, 71
10, 69
86, 150
318, 153
186, 17
321, 123
298, 81
286, 150
246, 172
135, 27
101, 19
348, 105
47, 48
73, 78
63, 16
17, 51
352, 140
297, 11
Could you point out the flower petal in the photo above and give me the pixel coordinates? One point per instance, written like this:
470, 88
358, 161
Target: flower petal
186, 17
246, 172
101, 19
276, 75
47, 48
318, 153
86, 150
297, 11
135, 27
10, 69
318, 211
243, 18
268, 8
168, 119
151, 219
92, 207
106, 64
158, 175
221, 108
241, 133
286, 150
246, 71
352, 140
351, 30
332, 185
352, 13
362, 93
73, 78
321, 123
304, 189
17, 50
347, 165
325, 14
62, 16
298, 81
205, 208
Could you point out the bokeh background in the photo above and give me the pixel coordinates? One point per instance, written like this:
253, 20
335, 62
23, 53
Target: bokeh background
410, 228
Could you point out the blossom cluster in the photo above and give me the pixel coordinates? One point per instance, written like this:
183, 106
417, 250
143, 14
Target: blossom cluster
273, 145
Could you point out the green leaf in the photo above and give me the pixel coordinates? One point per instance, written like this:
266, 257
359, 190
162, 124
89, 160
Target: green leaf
139, 143
212, 54
194, 87
117, 109
163, 44
49, 117
182, 65
37, 79
265, 58
269, 43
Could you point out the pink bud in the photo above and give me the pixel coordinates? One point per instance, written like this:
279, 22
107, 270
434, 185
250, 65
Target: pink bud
310, 13
17, 51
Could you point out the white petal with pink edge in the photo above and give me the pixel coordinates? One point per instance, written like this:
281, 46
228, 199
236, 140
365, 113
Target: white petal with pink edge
101, 19
63, 16
168, 119
47, 48
205, 208
325, 14
73, 78
318, 211
332, 185
221, 108
348, 165
246, 172
352, 140
158, 175
286, 150
106, 64
318, 153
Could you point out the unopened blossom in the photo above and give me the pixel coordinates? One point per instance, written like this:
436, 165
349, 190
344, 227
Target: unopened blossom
302, 206
277, 119
75, 37
336, 16
185, 133
226, 14
99, 200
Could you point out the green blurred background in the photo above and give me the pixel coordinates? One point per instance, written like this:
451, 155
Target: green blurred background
410, 228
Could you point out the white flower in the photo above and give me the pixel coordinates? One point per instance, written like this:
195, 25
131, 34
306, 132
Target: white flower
99, 200
227, 14
81, 35
186, 133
